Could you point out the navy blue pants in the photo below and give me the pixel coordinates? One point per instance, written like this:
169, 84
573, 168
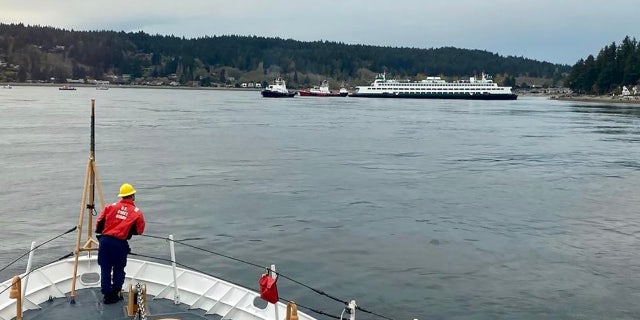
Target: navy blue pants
112, 257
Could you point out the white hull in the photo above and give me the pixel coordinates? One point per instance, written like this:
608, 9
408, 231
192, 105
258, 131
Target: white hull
197, 290
435, 88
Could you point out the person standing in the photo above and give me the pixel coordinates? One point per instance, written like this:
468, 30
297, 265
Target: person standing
116, 224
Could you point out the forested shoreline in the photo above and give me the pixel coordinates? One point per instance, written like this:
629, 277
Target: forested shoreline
43, 54
615, 66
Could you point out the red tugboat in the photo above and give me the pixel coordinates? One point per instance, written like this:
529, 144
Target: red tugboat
323, 91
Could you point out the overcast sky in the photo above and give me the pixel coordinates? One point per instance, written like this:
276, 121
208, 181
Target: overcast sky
558, 31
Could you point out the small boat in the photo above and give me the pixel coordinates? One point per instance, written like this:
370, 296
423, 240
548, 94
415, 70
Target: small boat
323, 91
6, 86
278, 89
102, 85
66, 87
154, 287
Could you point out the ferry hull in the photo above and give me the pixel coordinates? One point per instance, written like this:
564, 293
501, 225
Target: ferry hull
437, 96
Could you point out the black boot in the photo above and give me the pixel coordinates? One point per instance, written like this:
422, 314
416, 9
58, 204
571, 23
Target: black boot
117, 293
114, 296
110, 298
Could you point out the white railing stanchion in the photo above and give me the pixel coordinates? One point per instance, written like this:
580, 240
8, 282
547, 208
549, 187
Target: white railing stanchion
25, 281
176, 294
352, 307
274, 275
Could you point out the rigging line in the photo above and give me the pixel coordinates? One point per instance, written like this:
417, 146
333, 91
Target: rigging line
183, 265
373, 313
240, 260
237, 284
35, 269
320, 292
331, 297
252, 264
205, 250
311, 309
38, 246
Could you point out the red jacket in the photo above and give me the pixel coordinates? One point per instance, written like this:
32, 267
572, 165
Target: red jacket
120, 220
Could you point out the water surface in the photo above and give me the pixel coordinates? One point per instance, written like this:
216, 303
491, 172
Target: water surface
428, 209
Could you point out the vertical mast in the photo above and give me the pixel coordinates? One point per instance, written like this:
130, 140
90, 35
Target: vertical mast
92, 178
87, 206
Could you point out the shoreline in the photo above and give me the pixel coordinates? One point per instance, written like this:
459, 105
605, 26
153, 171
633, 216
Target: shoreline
627, 100
111, 86
599, 99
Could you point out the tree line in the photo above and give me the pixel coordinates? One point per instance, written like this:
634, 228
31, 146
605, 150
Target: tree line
45, 52
614, 67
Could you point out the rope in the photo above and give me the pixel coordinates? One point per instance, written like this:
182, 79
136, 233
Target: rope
42, 265
320, 292
230, 281
312, 309
205, 250
38, 246
92, 207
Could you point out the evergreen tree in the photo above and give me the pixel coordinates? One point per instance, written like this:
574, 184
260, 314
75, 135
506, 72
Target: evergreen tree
223, 76
614, 67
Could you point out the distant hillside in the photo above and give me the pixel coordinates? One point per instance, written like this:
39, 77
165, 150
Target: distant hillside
35, 53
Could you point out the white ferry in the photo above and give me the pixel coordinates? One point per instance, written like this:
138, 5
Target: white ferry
435, 88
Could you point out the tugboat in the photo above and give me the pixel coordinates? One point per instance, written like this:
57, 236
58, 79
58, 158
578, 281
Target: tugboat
278, 90
323, 91
102, 85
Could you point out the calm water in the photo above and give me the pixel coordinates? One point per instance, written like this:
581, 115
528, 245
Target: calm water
428, 209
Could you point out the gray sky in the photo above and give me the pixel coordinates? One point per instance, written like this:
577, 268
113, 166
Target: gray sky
558, 31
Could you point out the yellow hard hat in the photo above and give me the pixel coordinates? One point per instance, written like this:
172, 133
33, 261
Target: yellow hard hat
126, 190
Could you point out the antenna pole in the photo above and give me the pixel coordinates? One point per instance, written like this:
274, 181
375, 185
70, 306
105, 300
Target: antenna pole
87, 206
93, 127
